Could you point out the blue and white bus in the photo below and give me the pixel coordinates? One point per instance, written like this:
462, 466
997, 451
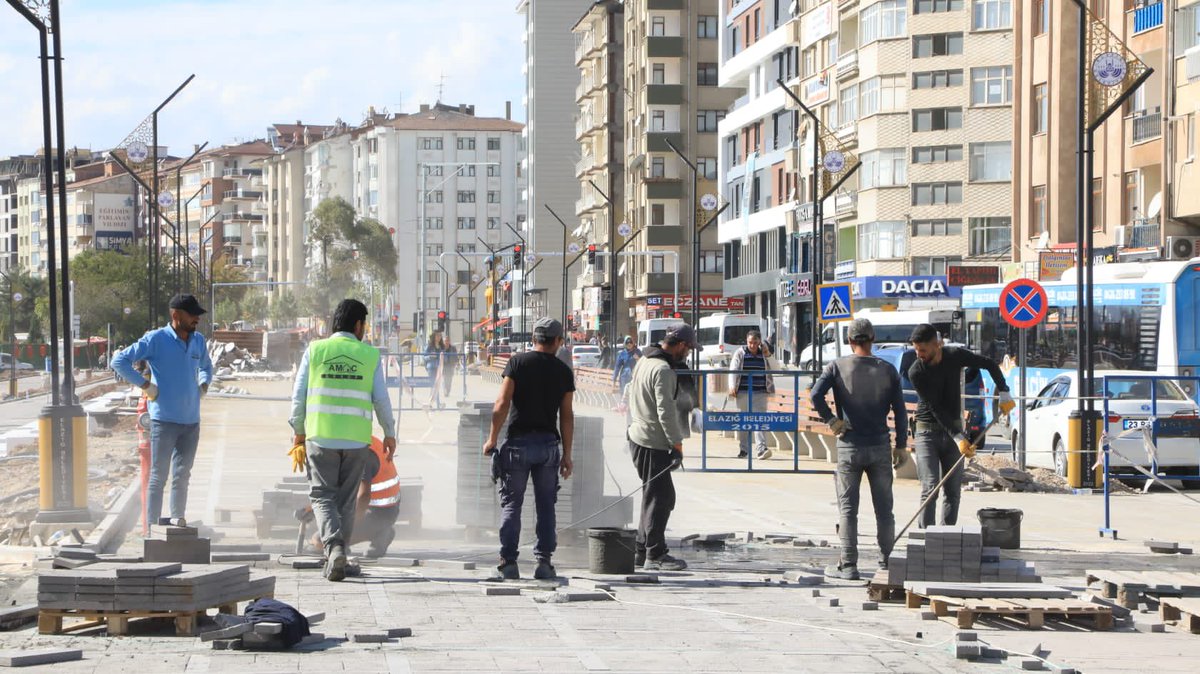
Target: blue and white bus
1146, 319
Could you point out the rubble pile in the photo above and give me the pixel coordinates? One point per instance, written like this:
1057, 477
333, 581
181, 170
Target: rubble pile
995, 473
228, 359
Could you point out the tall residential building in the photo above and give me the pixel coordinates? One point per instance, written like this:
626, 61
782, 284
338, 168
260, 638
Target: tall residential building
599, 39
231, 207
551, 78
921, 91
12, 171
1143, 161
674, 97
284, 196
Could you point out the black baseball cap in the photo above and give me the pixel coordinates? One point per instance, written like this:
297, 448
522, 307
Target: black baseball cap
187, 303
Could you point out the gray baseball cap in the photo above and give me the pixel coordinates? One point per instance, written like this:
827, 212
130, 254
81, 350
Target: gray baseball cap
683, 333
861, 330
548, 327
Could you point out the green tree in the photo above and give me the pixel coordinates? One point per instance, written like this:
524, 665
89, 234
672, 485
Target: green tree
107, 282
284, 310
32, 313
353, 251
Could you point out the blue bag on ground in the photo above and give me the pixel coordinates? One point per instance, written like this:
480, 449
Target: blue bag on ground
295, 625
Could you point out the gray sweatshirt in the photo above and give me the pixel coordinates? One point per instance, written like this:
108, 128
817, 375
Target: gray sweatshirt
865, 389
654, 408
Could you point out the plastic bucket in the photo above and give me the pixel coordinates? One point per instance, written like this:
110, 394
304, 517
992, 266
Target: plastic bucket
1001, 527
611, 550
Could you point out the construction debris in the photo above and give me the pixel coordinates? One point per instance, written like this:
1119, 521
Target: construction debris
48, 656
227, 358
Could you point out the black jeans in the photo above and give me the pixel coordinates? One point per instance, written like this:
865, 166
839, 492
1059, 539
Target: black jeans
658, 498
536, 456
936, 454
378, 529
876, 462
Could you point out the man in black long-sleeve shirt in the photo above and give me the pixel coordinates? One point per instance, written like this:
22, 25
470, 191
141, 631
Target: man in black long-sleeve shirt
865, 389
940, 438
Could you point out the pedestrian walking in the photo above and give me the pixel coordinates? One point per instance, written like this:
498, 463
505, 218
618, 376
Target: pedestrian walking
180, 372
539, 390
627, 357
338, 384
750, 391
659, 405
865, 389
449, 365
940, 439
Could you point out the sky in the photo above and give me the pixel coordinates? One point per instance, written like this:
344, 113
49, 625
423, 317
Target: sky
256, 62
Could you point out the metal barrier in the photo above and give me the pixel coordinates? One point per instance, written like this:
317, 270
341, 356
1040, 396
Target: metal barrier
1152, 429
411, 373
779, 421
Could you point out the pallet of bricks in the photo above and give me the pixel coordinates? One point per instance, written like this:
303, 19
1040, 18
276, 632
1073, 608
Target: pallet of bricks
112, 594
477, 504
279, 506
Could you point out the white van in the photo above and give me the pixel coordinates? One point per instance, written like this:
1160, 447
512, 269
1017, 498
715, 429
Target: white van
653, 330
891, 327
721, 334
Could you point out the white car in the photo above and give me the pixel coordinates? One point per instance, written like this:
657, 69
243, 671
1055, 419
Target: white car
1129, 409
585, 355
6, 364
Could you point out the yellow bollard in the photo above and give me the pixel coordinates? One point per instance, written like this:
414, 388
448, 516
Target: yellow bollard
1074, 450
68, 468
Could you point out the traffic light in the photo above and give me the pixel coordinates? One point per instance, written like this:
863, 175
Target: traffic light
418, 321
441, 321
395, 321
518, 251
591, 251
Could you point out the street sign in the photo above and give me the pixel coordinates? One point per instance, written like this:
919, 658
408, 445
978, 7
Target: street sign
624, 229
166, 199
1023, 303
17, 297
749, 421
834, 302
573, 248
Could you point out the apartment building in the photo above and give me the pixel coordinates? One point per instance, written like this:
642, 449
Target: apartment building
1143, 156
231, 220
284, 199
12, 171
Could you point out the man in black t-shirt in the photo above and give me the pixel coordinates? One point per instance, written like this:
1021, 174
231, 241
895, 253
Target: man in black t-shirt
538, 389
940, 438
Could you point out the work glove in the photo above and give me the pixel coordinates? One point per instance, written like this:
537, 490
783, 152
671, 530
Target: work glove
965, 446
676, 459
299, 458
838, 426
151, 391
1006, 403
495, 456
899, 456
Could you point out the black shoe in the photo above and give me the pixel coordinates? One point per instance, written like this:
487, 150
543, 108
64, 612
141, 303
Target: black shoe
639, 558
665, 563
848, 572
335, 565
544, 571
508, 571
741, 455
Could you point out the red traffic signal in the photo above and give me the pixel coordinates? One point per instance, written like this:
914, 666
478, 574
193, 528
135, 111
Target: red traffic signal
441, 315
677, 315
517, 249
591, 248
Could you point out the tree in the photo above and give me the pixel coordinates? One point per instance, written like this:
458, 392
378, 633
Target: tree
284, 310
106, 283
223, 272
32, 313
353, 250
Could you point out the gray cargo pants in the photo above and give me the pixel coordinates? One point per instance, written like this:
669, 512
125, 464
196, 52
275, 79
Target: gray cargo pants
876, 463
333, 477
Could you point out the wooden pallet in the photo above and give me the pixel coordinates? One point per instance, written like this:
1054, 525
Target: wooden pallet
1184, 610
1129, 588
879, 590
51, 621
1032, 611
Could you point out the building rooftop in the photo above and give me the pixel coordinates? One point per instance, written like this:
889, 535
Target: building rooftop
445, 118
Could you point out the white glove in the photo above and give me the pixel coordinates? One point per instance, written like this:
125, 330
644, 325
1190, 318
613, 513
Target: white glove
151, 391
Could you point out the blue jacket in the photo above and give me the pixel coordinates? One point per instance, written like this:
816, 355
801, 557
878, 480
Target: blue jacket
626, 359
177, 368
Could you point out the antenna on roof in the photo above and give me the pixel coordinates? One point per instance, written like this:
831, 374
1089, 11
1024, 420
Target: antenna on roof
441, 86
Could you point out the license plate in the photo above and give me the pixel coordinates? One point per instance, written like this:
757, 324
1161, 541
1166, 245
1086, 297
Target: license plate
1135, 424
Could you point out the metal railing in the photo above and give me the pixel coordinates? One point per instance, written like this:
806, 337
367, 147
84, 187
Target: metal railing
1146, 125
242, 194
1147, 17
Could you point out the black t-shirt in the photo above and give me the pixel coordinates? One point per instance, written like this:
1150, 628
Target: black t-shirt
938, 388
541, 381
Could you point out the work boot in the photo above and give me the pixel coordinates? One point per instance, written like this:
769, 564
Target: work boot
639, 557
508, 570
741, 455
544, 571
665, 563
335, 565
842, 571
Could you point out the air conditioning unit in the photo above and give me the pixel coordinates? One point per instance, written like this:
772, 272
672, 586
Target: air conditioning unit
1183, 247
1122, 236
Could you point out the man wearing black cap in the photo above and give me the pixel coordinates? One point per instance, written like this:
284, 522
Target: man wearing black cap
865, 390
538, 389
180, 371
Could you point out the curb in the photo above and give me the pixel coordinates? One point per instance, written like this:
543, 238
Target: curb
108, 535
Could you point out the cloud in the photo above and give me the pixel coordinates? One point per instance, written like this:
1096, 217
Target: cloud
256, 63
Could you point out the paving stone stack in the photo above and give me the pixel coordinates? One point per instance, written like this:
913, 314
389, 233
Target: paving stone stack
279, 505
954, 554
150, 586
477, 503
176, 544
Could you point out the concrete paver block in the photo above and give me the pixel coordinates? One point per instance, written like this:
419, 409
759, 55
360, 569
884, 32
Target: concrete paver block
21, 658
227, 633
1031, 664
869, 605
314, 618
966, 635
803, 578
399, 632
226, 557
228, 645
1147, 627
645, 578
967, 649
449, 564
494, 591
369, 638
928, 615
268, 628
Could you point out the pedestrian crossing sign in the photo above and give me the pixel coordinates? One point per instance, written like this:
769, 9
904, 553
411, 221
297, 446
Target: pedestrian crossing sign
834, 301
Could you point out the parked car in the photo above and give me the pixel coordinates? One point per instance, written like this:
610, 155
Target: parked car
652, 330
1130, 408
585, 355
6, 361
721, 334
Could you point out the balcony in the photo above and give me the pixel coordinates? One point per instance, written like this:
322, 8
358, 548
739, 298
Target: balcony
660, 282
664, 235
1147, 17
1145, 125
849, 135
656, 141
586, 203
664, 188
847, 65
241, 173
259, 207
1143, 235
665, 4
241, 216
664, 94
846, 204
242, 195
664, 46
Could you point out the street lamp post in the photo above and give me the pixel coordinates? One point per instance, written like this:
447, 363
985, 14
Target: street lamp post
13, 298
565, 307
180, 212
695, 241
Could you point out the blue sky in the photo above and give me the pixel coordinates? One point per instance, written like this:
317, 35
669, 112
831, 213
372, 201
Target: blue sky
256, 62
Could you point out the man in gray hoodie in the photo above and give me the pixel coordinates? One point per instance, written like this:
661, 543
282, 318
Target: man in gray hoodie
659, 403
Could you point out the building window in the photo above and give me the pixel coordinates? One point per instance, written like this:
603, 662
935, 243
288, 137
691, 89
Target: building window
493, 223
465, 248
936, 194
433, 197
431, 275
658, 73
431, 143
1041, 17
991, 14
493, 170
466, 223
882, 21
992, 85
493, 197
1098, 204
658, 167
881, 240
706, 74
658, 120
937, 119
707, 167
939, 44
883, 168
931, 6
1038, 216
467, 171
1097, 8
868, 93
465, 303
434, 249
493, 143
937, 154
658, 26
712, 262
991, 162
937, 79
1041, 109
883, 94
932, 266
948, 227
990, 236
706, 120
706, 27
810, 62
433, 171
466, 197
658, 214
466, 143
848, 105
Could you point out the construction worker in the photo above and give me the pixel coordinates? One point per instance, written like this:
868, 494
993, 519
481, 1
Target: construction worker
751, 389
940, 440
378, 503
180, 371
338, 383
659, 404
865, 390
540, 392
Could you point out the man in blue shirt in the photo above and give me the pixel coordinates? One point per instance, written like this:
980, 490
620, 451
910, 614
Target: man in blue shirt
180, 371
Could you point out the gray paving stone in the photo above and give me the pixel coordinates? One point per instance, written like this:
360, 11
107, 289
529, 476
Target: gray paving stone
226, 633
400, 632
39, 657
500, 591
369, 637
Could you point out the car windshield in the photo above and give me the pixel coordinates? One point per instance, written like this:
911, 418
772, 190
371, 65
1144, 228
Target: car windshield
1139, 389
736, 334
709, 336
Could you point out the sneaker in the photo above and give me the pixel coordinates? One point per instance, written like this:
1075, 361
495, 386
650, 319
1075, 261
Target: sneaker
544, 571
508, 571
665, 563
335, 566
741, 455
848, 572
764, 453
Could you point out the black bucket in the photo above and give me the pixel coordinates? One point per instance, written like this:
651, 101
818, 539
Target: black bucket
610, 550
1001, 527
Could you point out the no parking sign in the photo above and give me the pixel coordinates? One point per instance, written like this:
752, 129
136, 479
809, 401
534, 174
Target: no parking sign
1023, 303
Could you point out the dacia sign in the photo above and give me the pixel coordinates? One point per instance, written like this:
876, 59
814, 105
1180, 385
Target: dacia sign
918, 286
892, 287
